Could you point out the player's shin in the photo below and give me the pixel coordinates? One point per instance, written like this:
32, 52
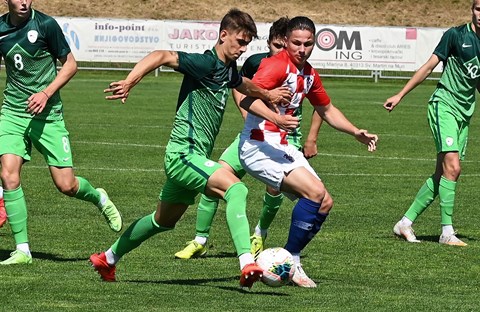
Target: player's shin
137, 233
236, 198
16, 208
207, 207
305, 223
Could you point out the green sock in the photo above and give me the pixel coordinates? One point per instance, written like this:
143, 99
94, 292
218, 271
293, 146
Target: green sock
271, 204
138, 232
87, 192
236, 198
424, 198
207, 207
16, 208
446, 193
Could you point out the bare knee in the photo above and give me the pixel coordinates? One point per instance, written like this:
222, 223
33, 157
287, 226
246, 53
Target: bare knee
327, 204
452, 171
316, 194
10, 179
69, 188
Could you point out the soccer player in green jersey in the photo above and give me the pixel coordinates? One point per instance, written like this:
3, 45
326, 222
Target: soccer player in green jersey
200, 108
272, 199
32, 114
449, 111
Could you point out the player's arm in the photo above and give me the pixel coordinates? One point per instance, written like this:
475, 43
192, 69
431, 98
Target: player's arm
275, 96
258, 108
37, 101
416, 79
120, 89
310, 146
237, 98
478, 86
335, 118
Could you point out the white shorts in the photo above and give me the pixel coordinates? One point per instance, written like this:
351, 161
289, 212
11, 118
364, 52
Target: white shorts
270, 162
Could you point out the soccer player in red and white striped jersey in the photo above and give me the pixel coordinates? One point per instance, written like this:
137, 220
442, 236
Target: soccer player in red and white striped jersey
264, 150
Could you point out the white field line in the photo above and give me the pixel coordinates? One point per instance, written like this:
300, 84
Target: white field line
116, 169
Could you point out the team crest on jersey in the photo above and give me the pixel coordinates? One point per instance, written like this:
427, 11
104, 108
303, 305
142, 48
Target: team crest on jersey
449, 141
32, 36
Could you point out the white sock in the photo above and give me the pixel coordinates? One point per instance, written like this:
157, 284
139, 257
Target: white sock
201, 240
260, 232
1, 192
406, 221
447, 230
245, 259
112, 258
103, 200
296, 257
25, 248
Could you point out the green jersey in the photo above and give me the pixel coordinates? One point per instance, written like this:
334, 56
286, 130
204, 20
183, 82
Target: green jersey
248, 70
201, 102
30, 51
459, 49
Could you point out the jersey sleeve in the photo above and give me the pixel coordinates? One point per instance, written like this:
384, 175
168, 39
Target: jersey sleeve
446, 43
247, 70
57, 44
234, 76
317, 94
195, 65
270, 74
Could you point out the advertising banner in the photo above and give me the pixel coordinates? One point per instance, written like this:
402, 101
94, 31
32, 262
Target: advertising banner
336, 47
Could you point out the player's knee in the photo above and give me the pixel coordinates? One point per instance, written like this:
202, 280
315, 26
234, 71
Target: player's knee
316, 193
327, 204
452, 171
10, 180
68, 189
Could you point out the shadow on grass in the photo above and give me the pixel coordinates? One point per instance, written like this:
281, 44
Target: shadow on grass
206, 282
4, 254
434, 238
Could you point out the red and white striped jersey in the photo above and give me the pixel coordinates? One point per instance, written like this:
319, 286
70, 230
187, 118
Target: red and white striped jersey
277, 71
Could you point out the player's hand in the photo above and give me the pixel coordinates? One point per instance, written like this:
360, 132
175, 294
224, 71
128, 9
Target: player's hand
286, 122
367, 138
119, 89
279, 96
391, 102
37, 102
310, 149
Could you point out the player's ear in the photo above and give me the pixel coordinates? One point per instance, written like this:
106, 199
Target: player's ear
223, 35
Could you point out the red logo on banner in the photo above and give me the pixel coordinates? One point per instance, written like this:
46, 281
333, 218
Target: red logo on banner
411, 34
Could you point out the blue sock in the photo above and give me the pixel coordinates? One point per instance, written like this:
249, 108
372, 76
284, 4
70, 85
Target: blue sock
319, 219
306, 222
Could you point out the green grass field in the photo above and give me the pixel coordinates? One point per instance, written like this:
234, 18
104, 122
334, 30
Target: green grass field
357, 262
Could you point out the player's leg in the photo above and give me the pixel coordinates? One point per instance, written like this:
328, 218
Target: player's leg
80, 188
225, 184
3, 213
52, 141
163, 219
450, 157
429, 190
206, 210
272, 200
15, 149
306, 216
16, 208
208, 205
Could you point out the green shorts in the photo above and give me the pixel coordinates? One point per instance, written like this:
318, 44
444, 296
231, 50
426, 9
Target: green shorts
50, 138
187, 175
450, 133
232, 158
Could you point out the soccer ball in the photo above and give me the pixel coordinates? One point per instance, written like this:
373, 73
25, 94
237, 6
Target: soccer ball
277, 265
